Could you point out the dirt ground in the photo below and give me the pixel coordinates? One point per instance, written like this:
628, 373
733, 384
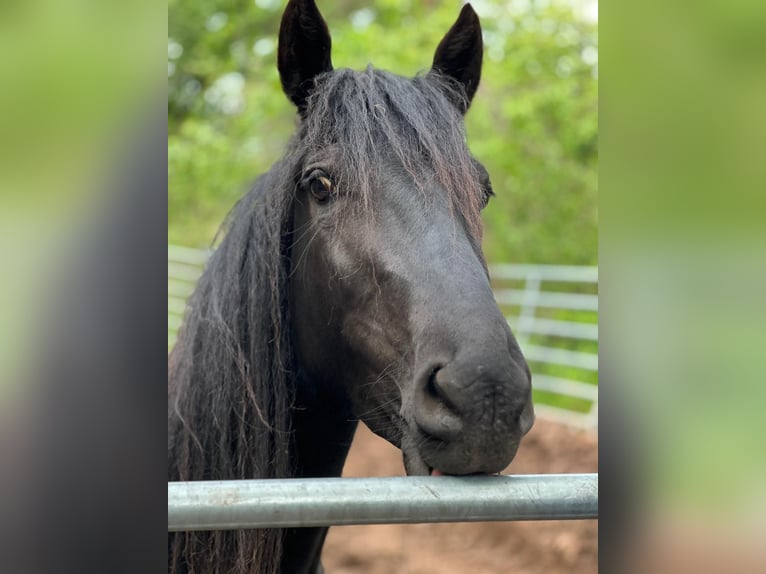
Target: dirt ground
471, 548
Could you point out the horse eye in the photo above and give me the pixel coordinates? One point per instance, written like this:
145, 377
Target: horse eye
320, 187
488, 191
486, 184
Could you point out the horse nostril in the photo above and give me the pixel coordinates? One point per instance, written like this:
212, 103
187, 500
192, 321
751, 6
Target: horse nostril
435, 414
435, 391
527, 417
431, 389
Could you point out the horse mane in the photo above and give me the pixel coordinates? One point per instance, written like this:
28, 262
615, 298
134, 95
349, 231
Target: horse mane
230, 377
232, 373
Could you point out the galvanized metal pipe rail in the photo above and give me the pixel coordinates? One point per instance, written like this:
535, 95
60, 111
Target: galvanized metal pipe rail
226, 505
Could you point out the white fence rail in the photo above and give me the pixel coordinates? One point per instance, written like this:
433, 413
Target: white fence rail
552, 309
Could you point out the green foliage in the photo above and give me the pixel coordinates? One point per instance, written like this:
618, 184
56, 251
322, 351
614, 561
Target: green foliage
533, 122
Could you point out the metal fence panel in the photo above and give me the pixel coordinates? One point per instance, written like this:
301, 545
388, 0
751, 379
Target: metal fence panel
574, 301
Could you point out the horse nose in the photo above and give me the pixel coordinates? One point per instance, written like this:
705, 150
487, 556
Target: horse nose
479, 390
473, 413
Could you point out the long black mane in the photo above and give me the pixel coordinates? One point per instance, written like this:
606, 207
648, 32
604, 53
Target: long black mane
230, 376
232, 371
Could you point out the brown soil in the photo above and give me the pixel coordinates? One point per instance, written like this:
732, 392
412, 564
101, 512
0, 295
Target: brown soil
471, 548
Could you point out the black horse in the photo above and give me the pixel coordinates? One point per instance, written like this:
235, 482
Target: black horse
350, 285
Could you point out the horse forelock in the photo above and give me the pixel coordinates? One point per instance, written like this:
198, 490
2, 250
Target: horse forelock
363, 116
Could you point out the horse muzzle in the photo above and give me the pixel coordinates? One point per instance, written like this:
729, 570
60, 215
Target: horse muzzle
468, 416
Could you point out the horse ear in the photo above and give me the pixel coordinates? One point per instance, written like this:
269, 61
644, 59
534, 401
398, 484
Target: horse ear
460, 53
304, 49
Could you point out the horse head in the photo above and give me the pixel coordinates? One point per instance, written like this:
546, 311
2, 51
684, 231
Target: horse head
389, 295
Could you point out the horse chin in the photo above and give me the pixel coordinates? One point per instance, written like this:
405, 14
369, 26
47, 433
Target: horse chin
418, 460
414, 464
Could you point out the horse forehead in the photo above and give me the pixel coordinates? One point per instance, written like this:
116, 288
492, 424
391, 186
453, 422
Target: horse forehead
401, 216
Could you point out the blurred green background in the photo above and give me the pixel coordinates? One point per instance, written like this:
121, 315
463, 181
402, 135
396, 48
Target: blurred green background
533, 122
